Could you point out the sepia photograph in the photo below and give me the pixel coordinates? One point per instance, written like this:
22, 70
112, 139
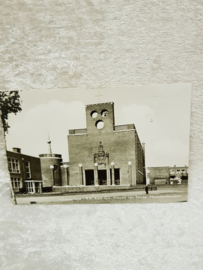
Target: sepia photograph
101, 135
98, 146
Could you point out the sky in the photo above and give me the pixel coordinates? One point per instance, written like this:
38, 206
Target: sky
161, 114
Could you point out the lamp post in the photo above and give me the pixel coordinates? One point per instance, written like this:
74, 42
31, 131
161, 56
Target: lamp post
80, 174
130, 172
112, 173
150, 124
96, 183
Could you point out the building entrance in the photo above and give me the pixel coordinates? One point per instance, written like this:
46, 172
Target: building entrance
89, 176
117, 176
102, 177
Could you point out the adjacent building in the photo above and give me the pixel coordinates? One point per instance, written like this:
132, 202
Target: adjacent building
167, 175
25, 172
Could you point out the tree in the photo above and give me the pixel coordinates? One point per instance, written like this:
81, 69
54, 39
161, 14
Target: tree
9, 103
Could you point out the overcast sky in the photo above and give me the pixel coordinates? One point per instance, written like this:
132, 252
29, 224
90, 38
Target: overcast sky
161, 114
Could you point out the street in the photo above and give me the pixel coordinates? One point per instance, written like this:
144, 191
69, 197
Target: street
164, 195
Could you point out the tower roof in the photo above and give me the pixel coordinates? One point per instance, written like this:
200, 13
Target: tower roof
100, 103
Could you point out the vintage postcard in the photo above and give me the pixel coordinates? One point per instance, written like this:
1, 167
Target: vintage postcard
93, 146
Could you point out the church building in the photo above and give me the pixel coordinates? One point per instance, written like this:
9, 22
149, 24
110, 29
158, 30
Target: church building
105, 154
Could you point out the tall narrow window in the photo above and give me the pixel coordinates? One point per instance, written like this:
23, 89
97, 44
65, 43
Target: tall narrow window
28, 171
29, 187
13, 165
15, 183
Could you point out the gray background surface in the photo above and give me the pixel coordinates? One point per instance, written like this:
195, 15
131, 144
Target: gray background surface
54, 44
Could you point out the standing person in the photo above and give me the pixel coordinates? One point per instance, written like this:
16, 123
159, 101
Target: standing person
146, 189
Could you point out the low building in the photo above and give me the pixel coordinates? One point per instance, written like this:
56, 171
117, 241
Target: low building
167, 175
25, 172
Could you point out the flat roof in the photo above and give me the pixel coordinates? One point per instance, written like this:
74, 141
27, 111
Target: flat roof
12, 152
36, 181
100, 103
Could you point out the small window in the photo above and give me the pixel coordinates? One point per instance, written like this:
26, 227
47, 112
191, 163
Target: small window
28, 171
16, 184
29, 187
13, 165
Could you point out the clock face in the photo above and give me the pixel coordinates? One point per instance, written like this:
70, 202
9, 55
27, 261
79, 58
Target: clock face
104, 113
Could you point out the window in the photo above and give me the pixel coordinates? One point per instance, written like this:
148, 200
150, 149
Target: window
28, 171
29, 187
13, 165
178, 171
16, 184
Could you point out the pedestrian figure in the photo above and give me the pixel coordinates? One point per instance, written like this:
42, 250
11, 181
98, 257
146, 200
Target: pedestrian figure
146, 189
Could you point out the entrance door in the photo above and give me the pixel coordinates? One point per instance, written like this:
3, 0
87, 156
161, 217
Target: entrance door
38, 187
89, 175
117, 176
102, 177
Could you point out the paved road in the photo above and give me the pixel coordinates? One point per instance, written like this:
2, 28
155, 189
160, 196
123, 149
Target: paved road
156, 196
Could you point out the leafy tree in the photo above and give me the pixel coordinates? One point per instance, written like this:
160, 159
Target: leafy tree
9, 103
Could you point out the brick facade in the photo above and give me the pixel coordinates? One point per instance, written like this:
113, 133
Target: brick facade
51, 177
117, 145
35, 168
